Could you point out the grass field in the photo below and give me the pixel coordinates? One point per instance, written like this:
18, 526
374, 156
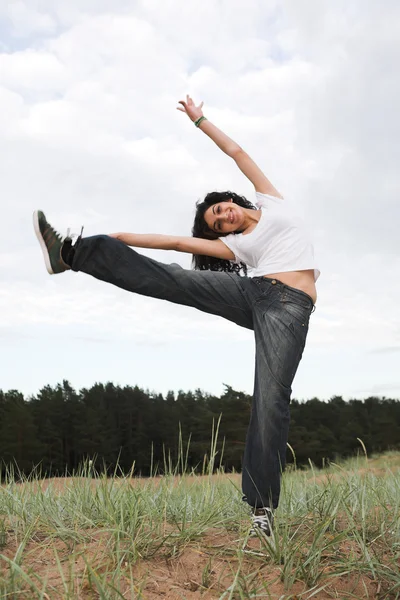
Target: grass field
337, 535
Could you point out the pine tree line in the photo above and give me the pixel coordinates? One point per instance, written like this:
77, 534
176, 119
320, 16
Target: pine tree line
60, 428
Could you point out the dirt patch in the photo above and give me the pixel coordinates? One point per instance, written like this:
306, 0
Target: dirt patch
80, 565
202, 570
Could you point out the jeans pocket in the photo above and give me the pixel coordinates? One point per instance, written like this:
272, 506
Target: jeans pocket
299, 314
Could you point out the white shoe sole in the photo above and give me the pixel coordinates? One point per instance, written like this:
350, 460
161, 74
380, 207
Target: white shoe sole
42, 242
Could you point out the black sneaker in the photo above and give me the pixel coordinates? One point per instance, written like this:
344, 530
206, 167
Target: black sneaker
262, 522
51, 243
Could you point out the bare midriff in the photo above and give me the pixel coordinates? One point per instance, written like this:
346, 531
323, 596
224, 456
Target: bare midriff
301, 280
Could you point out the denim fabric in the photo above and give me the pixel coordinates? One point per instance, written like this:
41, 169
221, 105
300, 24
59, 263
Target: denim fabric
278, 314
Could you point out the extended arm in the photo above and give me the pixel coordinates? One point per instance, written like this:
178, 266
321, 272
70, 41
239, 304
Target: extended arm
248, 167
191, 245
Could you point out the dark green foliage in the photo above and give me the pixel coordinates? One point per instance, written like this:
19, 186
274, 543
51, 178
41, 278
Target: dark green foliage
60, 428
19, 440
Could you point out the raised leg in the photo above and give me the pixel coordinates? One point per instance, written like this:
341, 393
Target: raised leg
213, 292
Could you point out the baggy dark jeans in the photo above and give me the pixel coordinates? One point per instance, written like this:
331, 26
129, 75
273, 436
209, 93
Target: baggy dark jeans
278, 314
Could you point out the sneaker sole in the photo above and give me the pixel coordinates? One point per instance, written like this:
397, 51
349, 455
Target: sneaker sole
42, 242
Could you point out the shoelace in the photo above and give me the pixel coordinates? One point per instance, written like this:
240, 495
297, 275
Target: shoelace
72, 236
263, 521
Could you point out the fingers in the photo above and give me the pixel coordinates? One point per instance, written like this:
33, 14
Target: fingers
188, 104
184, 109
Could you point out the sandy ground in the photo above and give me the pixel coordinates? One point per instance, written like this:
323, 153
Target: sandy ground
201, 570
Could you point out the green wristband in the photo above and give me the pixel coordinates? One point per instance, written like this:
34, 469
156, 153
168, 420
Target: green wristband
199, 120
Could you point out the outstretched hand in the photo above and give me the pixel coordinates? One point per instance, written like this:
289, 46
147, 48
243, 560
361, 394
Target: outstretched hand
193, 112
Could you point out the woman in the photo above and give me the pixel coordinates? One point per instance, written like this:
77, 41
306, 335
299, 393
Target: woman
229, 234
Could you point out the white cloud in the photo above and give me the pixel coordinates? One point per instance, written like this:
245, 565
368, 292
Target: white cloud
32, 72
25, 20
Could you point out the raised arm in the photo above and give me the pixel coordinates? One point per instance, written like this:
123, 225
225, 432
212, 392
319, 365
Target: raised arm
226, 144
191, 245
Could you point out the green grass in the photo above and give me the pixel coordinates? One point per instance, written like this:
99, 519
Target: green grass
337, 535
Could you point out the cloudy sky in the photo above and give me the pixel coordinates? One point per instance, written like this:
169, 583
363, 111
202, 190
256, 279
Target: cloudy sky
89, 132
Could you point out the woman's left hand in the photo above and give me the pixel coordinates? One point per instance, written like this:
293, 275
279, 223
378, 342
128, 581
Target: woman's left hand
193, 112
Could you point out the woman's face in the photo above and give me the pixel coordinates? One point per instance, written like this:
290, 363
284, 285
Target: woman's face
224, 217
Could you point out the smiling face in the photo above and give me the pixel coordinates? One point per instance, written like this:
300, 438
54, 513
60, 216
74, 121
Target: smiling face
224, 217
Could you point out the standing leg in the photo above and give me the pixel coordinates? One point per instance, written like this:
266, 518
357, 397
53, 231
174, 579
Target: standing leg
280, 323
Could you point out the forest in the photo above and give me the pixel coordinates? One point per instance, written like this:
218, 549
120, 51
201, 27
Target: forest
127, 428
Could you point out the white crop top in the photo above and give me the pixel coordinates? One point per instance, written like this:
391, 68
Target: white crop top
279, 243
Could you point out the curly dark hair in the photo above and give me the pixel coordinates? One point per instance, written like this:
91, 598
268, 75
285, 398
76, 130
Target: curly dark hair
200, 229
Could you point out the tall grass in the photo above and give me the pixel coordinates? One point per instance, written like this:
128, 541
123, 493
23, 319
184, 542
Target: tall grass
337, 533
